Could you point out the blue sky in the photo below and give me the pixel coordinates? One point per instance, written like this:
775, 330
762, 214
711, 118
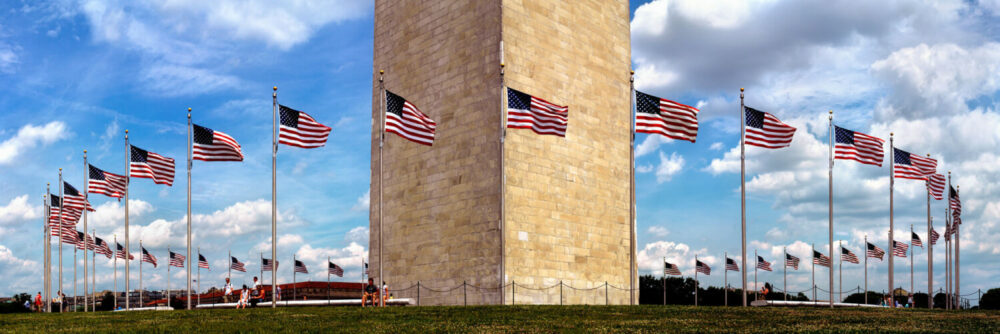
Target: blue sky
81, 72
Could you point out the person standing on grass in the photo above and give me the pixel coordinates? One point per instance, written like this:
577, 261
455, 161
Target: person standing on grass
38, 302
384, 293
229, 291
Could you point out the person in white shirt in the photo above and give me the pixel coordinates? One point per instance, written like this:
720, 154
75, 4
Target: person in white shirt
229, 291
244, 298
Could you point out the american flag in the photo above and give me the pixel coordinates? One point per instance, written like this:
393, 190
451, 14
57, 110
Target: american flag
934, 237
334, 269
765, 130
670, 269
148, 257
875, 251
88, 241
847, 255
211, 145
899, 249
121, 253
102, 247
101, 182
912, 166
763, 265
665, 117
935, 186
792, 261
203, 262
404, 119
74, 202
300, 267
150, 165
955, 203
237, 265
703, 268
731, 265
64, 228
300, 130
947, 231
820, 259
266, 266
176, 260
857, 146
915, 240
528, 112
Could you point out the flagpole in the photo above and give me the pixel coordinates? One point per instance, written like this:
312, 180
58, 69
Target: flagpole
93, 274
930, 255
86, 201
784, 274
958, 246
62, 203
229, 275
47, 258
725, 281
328, 280
274, 196
892, 183
814, 273
261, 266
840, 293
503, 176
114, 255
756, 260
293, 276
743, 197
74, 266
189, 164
128, 181
169, 258
632, 220
947, 251
866, 269
140, 272
830, 199
199, 276
911, 258
381, 144
696, 280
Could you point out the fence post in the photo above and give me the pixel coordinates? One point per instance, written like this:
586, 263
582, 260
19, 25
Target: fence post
418, 293
605, 293
513, 288
465, 295
560, 293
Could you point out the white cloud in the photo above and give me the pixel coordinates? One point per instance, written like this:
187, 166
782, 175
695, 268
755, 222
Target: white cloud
658, 231
669, 166
112, 213
716, 146
651, 144
644, 168
18, 210
241, 218
364, 202
8, 58
358, 234
650, 258
173, 80
29, 137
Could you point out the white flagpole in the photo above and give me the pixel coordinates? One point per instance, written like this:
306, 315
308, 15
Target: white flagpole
892, 184
169, 258
696, 280
930, 256
74, 267
62, 204
189, 164
632, 213
140, 272
199, 276
128, 181
274, 196
784, 274
814, 273
840, 294
86, 200
743, 197
756, 260
911, 258
958, 262
725, 281
114, 255
93, 274
293, 277
866, 269
503, 177
830, 198
47, 258
381, 144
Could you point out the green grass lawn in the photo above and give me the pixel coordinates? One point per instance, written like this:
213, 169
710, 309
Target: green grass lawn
495, 319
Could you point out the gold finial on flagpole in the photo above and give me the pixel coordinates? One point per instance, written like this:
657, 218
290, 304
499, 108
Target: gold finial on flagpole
741, 89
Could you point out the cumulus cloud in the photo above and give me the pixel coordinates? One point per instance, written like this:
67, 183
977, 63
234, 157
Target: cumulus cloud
8, 58
651, 144
650, 258
112, 213
669, 166
363, 203
18, 210
358, 234
658, 231
29, 137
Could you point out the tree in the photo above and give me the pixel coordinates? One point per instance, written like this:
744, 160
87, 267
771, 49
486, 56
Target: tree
991, 300
874, 298
107, 302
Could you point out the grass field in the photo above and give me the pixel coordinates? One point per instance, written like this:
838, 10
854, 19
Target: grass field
496, 319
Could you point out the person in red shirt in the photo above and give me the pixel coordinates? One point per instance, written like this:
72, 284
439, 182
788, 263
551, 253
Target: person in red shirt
38, 302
